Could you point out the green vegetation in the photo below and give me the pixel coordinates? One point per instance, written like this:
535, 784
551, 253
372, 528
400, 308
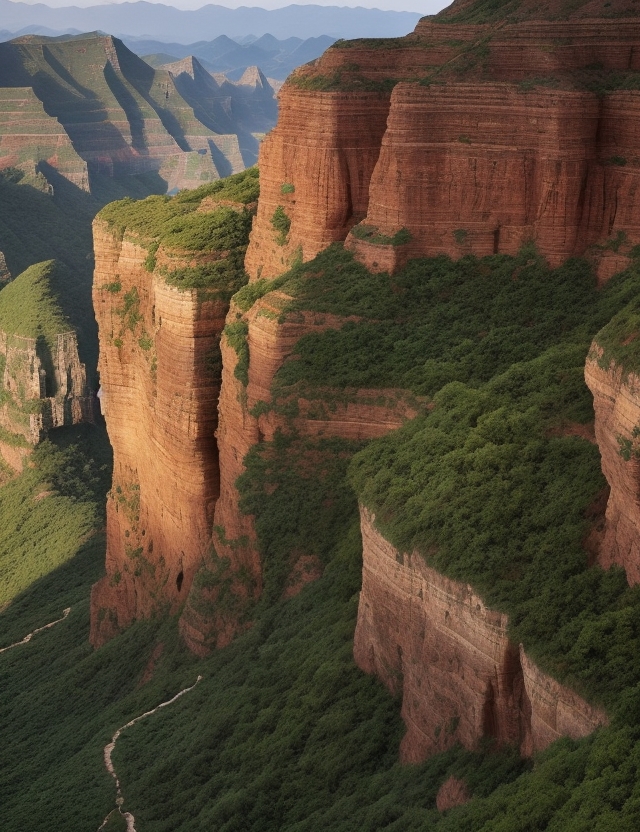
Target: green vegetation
341, 80
618, 340
236, 335
371, 235
176, 221
30, 305
287, 188
281, 224
436, 320
47, 512
252, 292
487, 481
284, 732
37, 226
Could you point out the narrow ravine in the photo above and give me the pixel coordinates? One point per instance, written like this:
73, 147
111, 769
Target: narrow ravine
28, 637
108, 750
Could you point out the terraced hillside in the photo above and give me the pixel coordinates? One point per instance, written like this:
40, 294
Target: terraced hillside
87, 106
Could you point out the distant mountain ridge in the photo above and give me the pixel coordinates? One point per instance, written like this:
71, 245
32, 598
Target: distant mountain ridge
156, 21
276, 58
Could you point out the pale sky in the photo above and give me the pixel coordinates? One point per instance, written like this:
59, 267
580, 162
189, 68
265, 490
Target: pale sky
420, 6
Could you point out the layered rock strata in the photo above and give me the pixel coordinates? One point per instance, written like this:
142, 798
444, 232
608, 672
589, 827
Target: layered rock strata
435, 642
159, 403
493, 135
616, 400
248, 415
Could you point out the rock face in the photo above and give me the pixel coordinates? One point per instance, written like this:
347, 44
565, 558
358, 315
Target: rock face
453, 792
39, 399
434, 641
43, 384
517, 145
159, 403
247, 416
5, 274
616, 400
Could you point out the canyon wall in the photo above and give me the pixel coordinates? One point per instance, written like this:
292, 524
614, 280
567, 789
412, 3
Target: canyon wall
159, 401
248, 414
363, 152
616, 400
434, 641
492, 136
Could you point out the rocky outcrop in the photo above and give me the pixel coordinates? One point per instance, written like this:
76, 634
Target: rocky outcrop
159, 403
435, 642
453, 792
43, 384
315, 166
46, 389
616, 401
493, 135
5, 274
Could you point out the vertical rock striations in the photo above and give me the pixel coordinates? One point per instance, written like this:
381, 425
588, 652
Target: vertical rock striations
160, 311
315, 170
254, 346
612, 376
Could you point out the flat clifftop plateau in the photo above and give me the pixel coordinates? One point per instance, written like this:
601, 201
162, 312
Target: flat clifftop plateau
88, 106
478, 138
161, 293
435, 642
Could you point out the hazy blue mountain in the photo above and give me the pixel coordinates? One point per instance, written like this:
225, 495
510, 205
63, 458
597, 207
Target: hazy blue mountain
154, 20
276, 58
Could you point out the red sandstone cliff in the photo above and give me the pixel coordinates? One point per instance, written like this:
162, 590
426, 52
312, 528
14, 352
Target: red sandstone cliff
434, 641
247, 416
519, 144
159, 403
616, 400
463, 166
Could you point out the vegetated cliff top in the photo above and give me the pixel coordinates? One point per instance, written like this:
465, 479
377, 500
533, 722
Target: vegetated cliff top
30, 304
189, 219
494, 11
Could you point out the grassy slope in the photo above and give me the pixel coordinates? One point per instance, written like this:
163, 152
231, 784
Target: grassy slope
30, 305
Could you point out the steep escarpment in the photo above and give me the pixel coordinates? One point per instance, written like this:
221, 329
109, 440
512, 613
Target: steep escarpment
482, 137
161, 291
612, 375
449, 333
257, 341
460, 676
44, 384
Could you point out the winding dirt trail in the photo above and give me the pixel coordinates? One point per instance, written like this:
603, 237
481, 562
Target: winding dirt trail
108, 750
28, 638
